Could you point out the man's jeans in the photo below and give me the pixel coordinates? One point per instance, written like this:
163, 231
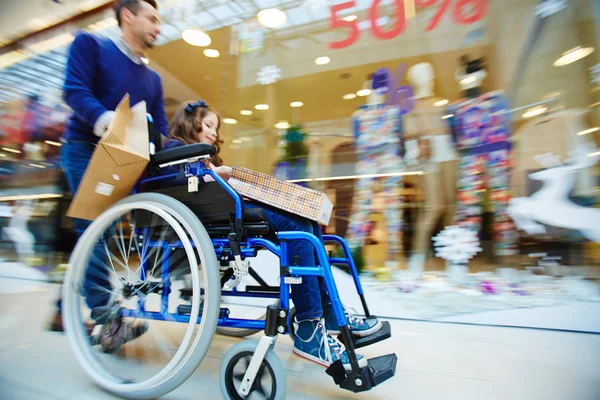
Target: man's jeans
309, 296
75, 157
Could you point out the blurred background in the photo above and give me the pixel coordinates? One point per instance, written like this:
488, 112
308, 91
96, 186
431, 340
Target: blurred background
288, 86
291, 87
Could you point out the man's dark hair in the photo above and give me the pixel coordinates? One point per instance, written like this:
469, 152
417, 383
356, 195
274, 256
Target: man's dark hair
131, 5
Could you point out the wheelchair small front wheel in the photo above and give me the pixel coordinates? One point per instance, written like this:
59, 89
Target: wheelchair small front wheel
270, 382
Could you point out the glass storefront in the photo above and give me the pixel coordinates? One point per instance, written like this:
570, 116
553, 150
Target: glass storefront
422, 120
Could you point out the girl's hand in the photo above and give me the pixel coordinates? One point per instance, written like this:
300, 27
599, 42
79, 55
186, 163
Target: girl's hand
223, 171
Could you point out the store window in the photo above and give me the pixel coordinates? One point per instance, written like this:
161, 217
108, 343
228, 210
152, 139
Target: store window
414, 116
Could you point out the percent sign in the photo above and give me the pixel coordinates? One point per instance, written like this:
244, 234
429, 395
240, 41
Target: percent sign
463, 12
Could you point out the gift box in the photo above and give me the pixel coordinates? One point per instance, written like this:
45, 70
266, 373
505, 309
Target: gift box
287, 196
120, 158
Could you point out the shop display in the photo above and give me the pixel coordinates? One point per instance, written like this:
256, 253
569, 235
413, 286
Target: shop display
482, 130
429, 148
560, 133
377, 143
551, 204
457, 246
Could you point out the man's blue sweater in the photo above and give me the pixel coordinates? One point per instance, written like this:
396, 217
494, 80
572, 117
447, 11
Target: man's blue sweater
98, 76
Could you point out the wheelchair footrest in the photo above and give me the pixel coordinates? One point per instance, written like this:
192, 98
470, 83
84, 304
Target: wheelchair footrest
379, 370
384, 333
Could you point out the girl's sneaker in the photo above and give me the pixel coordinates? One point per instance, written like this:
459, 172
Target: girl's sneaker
359, 326
314, 343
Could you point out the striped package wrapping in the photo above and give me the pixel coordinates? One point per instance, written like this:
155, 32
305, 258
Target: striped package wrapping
120, 158
284, 195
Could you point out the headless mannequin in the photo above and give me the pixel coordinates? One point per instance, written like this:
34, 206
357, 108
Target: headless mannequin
429, 148
483, 128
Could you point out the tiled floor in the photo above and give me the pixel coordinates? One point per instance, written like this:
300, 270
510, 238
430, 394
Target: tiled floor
435, 361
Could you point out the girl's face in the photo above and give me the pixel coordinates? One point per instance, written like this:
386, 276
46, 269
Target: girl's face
209, 132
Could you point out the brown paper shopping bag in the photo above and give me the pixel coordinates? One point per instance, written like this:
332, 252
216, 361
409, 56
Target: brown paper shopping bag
118, 161
287, 196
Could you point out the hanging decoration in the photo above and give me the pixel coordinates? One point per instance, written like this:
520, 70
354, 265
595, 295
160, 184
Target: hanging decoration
268, 75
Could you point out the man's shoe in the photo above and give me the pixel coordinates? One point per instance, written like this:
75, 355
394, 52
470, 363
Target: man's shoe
314, 343
359, 326
116, 333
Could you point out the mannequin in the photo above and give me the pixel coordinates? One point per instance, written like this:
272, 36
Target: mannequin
482, 131
377, 144
429, 148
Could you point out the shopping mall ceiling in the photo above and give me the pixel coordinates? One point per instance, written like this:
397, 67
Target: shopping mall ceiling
21, 65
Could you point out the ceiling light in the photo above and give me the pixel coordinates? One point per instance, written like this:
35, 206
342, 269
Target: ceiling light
350, 18
271, 18
37, 166
534, 112
52, 143
229, 121
246, 112
363, 92
196, 37
211, 53
3, 155
322, 60
575, 54
448, 116
236, 141
440, 103
11, 150
296, 104
591, 130
145, 60
282, 125
349, 96
262, 107
594, 154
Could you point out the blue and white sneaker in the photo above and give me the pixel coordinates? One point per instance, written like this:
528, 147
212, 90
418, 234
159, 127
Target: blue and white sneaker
314, 343
359, 326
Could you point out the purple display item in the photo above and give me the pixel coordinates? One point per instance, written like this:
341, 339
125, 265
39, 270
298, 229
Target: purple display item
381, 81
402, 96
488, 287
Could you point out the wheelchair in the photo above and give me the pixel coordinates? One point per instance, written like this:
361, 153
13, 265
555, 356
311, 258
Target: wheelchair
170, 252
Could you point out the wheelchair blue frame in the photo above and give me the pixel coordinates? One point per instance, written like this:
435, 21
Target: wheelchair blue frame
248, 249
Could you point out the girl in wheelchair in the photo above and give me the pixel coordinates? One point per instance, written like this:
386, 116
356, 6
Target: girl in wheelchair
196, 122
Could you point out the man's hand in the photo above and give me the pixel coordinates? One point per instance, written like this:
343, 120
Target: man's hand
223, 171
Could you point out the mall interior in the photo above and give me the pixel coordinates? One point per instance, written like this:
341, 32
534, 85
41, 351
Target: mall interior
457, 142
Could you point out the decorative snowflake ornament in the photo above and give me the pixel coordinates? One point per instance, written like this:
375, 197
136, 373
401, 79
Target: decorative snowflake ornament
269, 74
457, 245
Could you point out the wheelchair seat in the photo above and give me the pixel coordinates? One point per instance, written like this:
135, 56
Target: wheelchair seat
215, 207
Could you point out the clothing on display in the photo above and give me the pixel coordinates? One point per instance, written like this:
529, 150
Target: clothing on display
377, 130
482, 130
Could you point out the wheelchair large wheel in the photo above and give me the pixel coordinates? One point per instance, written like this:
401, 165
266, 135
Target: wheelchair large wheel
270, 382
117, 276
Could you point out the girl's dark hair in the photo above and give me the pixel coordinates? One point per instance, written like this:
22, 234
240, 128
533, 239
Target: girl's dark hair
186, 125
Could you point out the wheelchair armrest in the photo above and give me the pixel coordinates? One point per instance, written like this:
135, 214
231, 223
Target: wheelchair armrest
179, 155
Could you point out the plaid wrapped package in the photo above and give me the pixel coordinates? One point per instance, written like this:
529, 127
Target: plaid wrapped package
284, 195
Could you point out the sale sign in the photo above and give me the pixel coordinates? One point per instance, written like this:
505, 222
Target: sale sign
462, 12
